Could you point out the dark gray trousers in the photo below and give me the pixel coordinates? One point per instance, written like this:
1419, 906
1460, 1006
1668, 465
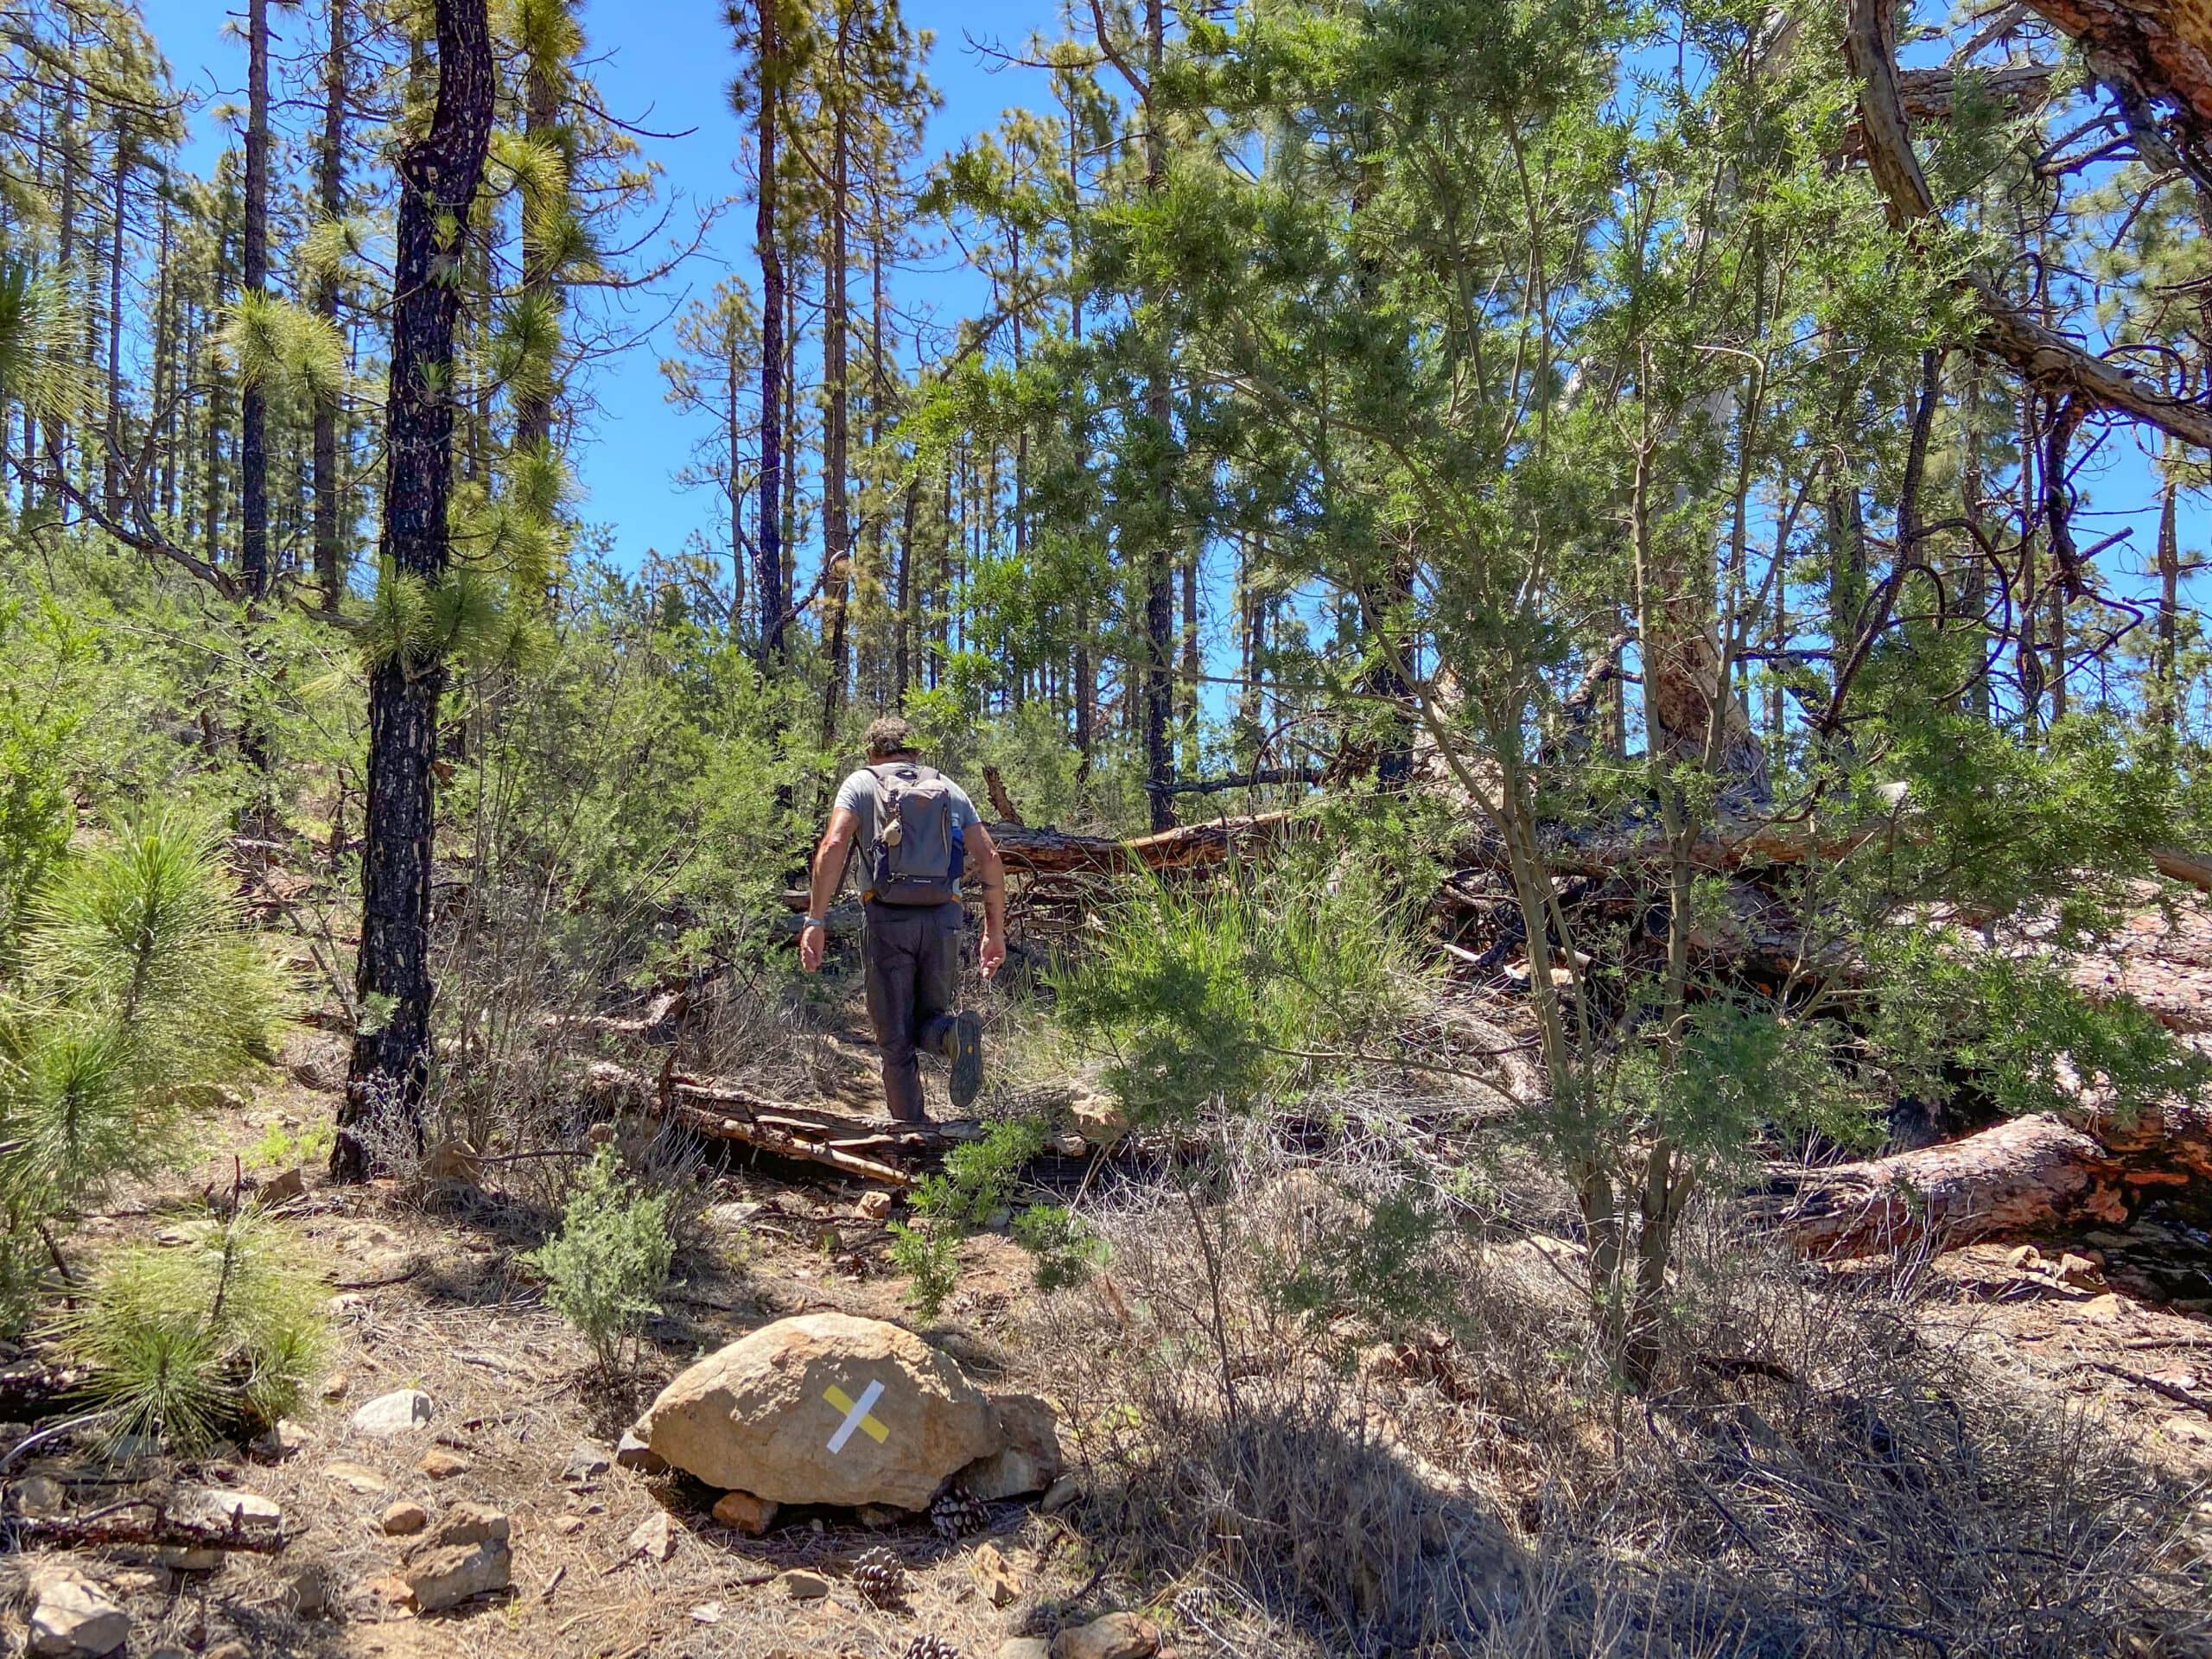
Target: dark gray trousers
912, 954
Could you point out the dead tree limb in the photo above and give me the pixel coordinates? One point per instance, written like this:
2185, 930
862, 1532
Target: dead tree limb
722, 1112
143, 1522
2042, 356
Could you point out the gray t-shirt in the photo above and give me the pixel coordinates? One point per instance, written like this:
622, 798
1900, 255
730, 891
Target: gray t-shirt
856, 795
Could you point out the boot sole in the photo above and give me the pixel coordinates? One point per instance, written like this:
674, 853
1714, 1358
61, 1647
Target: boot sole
967, 1059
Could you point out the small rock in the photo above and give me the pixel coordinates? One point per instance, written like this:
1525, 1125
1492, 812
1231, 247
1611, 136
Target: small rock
303, 1592
745, 1513
1117, 1636
229, 1650
400, 1412
654, 1540
997, 1576
288, 1439
404, 1519
585, 1463
452, 1163
569, 1525
1028, 1459
189, 1558
468, 1555
2080, 1272
335, 1388
1060, 1495
874, 1206
707, 1612
1069, 1144
802, 1585
2024, 1258
287, 1188
439, 1464
356, 1478
1024, 1647
247, 1514
634, 1454
73, 1617
39, 1495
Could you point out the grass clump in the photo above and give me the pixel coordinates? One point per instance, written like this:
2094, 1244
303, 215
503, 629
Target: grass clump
188, 1343
610, 1259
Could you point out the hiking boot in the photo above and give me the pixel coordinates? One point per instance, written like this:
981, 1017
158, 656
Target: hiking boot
966, 1045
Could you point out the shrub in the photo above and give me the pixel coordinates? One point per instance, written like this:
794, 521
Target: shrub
140, 990
609, 1260
196, 1341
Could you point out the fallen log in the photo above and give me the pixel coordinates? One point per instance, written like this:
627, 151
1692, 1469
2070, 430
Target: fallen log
129, 1522
2040, 1174
723, 1111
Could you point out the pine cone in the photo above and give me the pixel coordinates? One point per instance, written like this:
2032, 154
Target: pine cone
930, 1647
958, 1513
880, 1577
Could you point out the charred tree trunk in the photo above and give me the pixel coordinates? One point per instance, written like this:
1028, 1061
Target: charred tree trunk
768, 580
439, 172
330, 198
253, 405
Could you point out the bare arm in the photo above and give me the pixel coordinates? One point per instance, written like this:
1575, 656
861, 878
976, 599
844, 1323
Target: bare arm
990, 875
829, 870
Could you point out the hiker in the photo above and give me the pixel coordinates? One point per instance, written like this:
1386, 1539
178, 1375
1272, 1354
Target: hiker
917, 834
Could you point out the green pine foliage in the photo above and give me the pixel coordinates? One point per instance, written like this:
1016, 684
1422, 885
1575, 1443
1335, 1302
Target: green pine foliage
608, 1262
138, 990
211, 1337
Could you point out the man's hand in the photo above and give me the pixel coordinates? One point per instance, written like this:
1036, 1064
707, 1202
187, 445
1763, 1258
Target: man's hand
811, 938
993, 953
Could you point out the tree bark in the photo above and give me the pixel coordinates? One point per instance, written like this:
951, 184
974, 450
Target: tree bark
2041, 355
439, 172
253, 405
330, 198
2039, 1174
768, 581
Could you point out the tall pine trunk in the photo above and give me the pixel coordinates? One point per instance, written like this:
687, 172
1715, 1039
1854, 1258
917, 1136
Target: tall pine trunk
439, 172
330, 198
1160, 573
836, 510
253, 407
768, 580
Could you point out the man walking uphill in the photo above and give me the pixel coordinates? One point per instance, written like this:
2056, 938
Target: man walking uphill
916, 833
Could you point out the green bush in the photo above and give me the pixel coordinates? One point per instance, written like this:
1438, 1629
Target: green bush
191, 1343
139, 991
609, 1260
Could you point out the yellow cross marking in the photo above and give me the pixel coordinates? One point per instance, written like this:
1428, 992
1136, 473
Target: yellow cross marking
853, 1410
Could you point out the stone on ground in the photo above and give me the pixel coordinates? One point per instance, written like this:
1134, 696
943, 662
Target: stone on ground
762, 1415
636, 1456
1060, 1495
73, 1617
439, 1464
356, 1478
1024, 1647
466, 1555
38, 1495
248, 1514
997, 1576
1029, 1459
400, 1412
1117, 1636
745, 1513
654, 1540
585, 1462
802, 1585
404, 1519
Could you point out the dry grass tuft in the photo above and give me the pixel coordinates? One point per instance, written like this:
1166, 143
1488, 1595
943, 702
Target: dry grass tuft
1810, 1477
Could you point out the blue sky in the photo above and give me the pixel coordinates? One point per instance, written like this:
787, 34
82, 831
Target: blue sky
664, 64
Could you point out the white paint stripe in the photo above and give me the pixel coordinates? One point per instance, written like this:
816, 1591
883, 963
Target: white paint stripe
861, 1407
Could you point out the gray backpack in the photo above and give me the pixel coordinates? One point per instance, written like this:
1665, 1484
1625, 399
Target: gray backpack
919, 849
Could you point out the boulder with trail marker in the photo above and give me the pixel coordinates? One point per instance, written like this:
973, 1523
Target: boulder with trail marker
824, 1408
